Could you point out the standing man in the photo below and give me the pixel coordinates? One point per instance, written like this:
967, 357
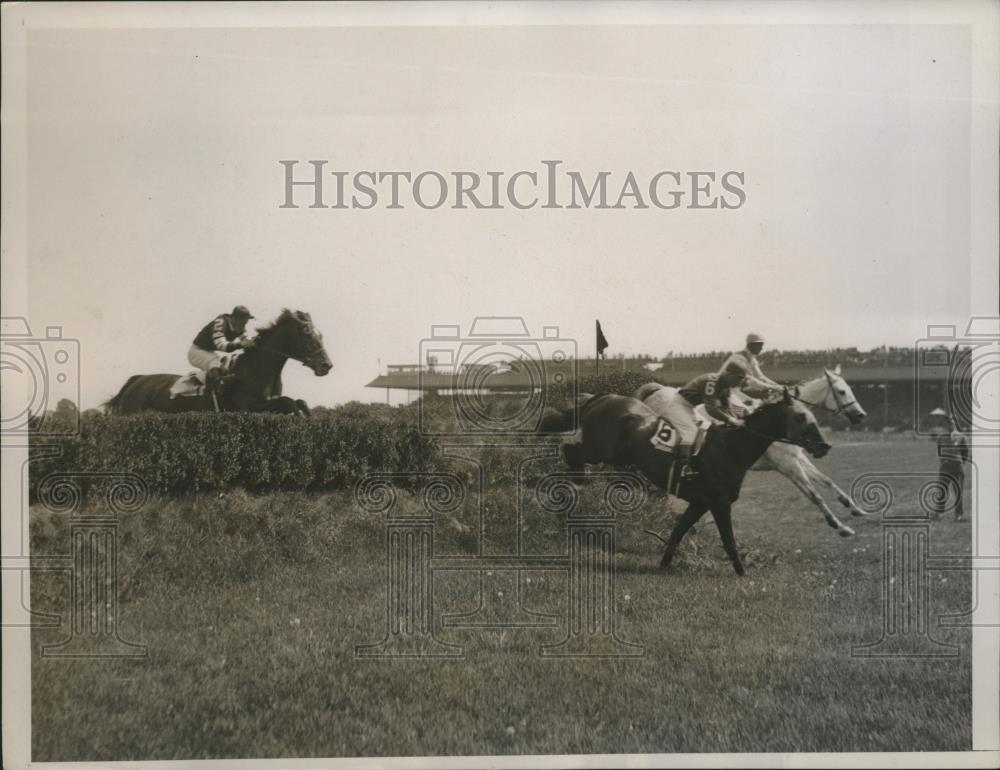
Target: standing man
953, 453
222, 335
756, 383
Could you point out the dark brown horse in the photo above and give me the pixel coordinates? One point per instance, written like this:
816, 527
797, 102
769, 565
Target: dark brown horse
255, 385
620, 430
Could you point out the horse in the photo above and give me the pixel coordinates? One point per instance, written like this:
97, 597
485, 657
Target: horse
623, 431
255, 385
828, 391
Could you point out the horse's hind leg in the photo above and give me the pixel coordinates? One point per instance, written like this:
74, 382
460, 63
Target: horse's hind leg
694, 512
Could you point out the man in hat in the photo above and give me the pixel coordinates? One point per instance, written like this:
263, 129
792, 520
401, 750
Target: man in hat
221, 336
953, 453
745, 362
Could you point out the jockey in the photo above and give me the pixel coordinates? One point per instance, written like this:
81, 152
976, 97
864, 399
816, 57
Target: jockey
712, 390
224, 334
756, 383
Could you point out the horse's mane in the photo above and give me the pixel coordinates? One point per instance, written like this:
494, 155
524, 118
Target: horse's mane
765, 407
298, 316
820, 376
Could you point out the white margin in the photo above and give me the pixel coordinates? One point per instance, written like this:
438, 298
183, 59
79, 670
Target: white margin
982, 15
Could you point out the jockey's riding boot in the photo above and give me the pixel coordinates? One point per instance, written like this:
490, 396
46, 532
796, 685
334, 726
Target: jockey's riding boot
684, 459
213, 379
681, 469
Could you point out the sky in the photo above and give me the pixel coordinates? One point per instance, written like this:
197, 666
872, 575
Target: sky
155, 187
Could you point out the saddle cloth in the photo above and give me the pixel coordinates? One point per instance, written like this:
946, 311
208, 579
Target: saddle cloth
190, 384
666, 437
193, 383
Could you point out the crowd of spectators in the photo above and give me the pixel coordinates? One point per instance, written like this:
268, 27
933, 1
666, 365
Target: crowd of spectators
881, 356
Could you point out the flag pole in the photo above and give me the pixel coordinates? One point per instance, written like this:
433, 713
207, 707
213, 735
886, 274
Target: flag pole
597, 349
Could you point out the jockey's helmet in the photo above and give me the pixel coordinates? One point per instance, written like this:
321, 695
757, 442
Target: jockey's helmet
754, 339
240, 311
732, 376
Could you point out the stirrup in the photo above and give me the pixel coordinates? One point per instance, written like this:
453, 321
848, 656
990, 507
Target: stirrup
688, 472
213, 379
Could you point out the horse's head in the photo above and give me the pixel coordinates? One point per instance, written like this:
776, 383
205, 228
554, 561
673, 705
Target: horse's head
831, 391
294, 335
842, 397
801, 427
790, 420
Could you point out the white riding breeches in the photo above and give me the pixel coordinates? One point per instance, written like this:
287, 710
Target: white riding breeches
206, 359
679, 411
658, 400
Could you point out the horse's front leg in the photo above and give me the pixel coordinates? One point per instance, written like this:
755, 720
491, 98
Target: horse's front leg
802, 481
792, 463
843, 498
722, 512
694, 512
281, 405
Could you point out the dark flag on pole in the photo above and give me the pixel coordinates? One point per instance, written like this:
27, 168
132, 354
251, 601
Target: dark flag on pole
602, 342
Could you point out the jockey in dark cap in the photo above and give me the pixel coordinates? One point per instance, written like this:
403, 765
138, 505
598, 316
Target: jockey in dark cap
221, 336
713, 391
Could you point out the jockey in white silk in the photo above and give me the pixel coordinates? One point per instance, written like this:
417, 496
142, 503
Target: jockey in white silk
756, 384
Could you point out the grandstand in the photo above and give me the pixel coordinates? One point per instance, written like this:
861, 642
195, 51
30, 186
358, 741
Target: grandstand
885, 380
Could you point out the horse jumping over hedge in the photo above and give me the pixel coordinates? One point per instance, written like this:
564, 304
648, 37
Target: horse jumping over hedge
620, 431
255, 385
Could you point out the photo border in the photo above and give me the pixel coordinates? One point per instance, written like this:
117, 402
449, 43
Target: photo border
984, 21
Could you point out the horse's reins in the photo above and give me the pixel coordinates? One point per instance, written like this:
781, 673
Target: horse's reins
775, 439
305, 361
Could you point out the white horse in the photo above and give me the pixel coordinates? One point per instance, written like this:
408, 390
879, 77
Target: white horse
829, 391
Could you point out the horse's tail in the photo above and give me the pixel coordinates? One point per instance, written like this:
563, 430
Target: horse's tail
113, 404
564, 420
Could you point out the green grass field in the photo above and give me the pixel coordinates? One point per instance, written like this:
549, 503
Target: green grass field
251, 608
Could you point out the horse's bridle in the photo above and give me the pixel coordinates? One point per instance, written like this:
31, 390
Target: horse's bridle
775, 439
317, 352
841, 405
314, 353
